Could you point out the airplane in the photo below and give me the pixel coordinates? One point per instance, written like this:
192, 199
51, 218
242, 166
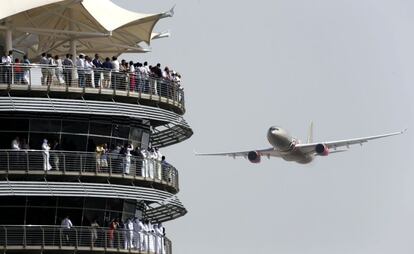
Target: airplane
291, 149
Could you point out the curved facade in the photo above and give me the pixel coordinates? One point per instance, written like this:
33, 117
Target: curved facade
39, 188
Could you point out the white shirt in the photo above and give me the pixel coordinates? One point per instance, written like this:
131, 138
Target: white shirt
66, 223
45, 147
132, 68
115, 65
88, 67
15, 145
6, 59
80, 63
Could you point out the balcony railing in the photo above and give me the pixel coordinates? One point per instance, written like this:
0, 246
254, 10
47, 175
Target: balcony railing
86, 239
36, 77
109, 165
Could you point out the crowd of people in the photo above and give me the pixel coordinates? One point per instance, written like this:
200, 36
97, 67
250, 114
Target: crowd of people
117, 159
94, 72
153, 164
131, 234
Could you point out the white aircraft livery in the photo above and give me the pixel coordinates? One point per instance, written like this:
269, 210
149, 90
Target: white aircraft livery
291, 149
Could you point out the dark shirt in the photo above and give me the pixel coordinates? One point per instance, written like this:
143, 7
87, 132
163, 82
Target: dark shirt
107, 65
97, 63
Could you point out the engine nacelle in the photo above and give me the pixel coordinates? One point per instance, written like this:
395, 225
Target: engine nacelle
322, 149
254, 157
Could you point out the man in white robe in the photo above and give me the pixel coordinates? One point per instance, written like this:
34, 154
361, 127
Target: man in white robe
46, 156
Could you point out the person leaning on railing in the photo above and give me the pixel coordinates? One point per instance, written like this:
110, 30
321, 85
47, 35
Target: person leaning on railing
107, 67
6, 72
26, 70
18, 72
67, 69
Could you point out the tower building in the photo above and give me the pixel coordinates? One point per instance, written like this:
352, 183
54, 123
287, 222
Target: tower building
81, 168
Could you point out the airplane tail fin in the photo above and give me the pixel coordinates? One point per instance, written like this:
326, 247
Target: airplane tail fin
310, 133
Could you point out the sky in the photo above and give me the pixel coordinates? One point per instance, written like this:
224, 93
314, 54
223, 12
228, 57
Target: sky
347, 66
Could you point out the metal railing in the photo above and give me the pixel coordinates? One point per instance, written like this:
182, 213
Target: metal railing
31, 237
97, 80
57, 162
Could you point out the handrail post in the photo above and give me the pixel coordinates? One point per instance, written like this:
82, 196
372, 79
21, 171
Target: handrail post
5, 237
8, 161
27, 161
64, 163
43, 237
24, 243
76, 238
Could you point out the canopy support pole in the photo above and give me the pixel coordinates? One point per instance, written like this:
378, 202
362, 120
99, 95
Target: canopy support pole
8, 40
73, 53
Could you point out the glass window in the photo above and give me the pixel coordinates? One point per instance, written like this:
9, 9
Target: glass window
36, 139
73, 142
45, 125
8, 137
145, 140
12, 124
135, 134
120, 131
100, 129
75, 126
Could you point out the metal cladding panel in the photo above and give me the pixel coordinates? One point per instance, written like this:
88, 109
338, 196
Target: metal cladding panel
174, 129
163, 205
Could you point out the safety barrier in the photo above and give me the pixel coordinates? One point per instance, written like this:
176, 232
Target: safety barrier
78, 239
109, 165
49, 78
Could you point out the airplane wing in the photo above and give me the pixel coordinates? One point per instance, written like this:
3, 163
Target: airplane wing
310, 148
263, 152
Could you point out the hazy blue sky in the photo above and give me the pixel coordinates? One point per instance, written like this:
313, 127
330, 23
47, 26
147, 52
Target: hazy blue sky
348, 66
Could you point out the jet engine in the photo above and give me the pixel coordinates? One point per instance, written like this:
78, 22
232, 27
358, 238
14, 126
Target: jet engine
254, 157
322, 149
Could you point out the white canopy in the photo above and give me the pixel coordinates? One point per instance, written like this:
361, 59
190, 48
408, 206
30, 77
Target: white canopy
96, 25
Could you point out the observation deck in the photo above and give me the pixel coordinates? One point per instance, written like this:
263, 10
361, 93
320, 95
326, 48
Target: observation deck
107, 85
70, 166
52, 239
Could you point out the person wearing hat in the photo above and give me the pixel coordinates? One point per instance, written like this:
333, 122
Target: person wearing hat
46, 156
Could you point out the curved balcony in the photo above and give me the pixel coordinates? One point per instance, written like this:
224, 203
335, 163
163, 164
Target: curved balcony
33, 238
87, 167
40, 80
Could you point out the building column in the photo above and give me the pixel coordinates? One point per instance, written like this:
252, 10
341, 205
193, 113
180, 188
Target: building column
73, 53
8, 40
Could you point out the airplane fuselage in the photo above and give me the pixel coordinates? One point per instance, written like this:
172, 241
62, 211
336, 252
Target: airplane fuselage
285, 144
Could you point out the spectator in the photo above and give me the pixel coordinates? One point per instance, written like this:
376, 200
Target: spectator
107, 67
111, 232
55, 154
66, 225
7, 60
50, 69
45, 152
26, 70
89, 72
80, 64
67, 69
132, 76
15, 144
94, 232
98, 70
59, 70
127, 164
43, 61
18, 72
115, 72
